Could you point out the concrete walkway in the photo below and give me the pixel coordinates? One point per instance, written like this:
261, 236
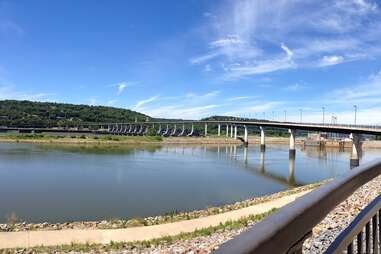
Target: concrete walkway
27, 239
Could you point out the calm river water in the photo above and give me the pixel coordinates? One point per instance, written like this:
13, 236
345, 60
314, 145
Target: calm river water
64, 183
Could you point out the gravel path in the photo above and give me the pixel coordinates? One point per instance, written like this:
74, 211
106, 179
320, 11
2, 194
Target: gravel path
323, 234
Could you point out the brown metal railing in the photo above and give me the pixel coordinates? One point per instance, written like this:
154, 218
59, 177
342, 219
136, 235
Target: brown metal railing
363, 234
287, 229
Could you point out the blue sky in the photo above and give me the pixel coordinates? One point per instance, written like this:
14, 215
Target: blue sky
195, 58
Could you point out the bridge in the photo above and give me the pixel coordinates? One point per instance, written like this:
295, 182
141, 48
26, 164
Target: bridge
231, 127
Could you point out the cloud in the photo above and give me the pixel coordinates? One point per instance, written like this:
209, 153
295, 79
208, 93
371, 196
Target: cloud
244, 35
231, 40
208, 68
181, 112
8, 91
122, 86
112, 102
287, 50
331, 60
238, 98
144, 102
294, 87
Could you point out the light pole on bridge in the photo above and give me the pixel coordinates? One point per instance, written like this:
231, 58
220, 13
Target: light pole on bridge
355, 107
285, 115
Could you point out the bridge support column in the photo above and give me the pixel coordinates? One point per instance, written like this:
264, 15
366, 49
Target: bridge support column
235, 131
219, 130
263, 145
227, 130
206, 129
246, 137
231, 131
292, 143
355, 159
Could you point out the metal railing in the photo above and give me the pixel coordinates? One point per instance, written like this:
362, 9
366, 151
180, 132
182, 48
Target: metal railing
363, 234
287, 229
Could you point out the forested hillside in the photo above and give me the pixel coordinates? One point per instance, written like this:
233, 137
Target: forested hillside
48, 114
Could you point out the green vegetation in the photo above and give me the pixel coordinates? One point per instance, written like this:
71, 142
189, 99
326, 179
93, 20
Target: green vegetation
48, 114
99, 139
115, 246
252, 130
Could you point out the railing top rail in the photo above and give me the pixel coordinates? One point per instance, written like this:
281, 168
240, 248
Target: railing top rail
288, 226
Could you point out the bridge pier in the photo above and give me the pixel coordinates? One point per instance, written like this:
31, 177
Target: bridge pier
355, 159
246, 136
219, 130
291, 171
227, 130
206, 129
292, 150
174, 130
263, 145
235, 131
231, 131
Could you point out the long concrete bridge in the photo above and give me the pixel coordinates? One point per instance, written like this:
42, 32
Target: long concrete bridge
229, 127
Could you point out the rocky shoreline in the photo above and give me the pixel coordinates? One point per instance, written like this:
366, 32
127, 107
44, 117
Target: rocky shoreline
13, 226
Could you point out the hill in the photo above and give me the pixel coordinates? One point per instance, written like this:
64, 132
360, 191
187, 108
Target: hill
48, 114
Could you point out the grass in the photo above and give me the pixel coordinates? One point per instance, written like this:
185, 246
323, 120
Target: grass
79, 138
166, 240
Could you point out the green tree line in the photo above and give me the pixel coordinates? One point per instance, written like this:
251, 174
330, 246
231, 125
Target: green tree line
49, 114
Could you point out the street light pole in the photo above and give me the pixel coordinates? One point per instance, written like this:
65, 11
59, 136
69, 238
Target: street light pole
285, 115
355, 106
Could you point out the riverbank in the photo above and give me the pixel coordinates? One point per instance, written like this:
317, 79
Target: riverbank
207, 240
13, 225
239, 213
114, 140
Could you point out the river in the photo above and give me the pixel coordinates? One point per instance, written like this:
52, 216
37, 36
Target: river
59, 183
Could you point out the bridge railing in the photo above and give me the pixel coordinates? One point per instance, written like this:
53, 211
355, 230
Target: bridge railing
287, 229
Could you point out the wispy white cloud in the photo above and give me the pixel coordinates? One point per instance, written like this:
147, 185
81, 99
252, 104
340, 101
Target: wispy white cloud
238, 98
245, 34
294, 87
331, 60
121, 86
139, 105
9, 91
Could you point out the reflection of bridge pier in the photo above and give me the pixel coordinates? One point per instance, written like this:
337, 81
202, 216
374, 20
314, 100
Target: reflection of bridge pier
291, 170
245, 154
262, 161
